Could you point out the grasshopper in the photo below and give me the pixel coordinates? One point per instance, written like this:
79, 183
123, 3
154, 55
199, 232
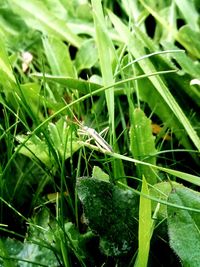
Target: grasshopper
93, 134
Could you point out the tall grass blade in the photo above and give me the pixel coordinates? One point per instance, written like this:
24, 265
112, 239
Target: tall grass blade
142, 145
37, 16
145, 227
106, 52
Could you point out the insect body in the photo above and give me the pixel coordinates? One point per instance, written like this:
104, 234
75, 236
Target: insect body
90, 132
101, 143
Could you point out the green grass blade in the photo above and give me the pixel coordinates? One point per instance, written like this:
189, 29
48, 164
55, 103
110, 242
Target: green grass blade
84, 87
142, 144
145, 227
185, 176
37, 16
6, 74
105, 51
58, 57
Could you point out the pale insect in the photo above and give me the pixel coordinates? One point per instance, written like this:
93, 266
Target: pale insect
100, 142
93, 134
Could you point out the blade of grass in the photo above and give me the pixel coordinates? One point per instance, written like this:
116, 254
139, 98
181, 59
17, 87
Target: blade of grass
58, 56
194, 179
6, 76
85, 87
145, 227
12, 208
185, 176
142, 144
36, 14
159, 200
106, 52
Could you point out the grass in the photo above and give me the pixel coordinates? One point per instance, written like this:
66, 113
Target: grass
125, 65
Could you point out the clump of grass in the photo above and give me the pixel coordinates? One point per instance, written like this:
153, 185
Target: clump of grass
122, 199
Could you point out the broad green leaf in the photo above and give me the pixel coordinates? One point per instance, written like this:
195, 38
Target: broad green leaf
86, 56
38, 246
6, 75
37, 16
35, 148
84, 87
41, 226
78, 241
84, 11
97, 173
88, 28
162, 191
42, 243
142, 144
29, 254
10, 24
188, 36
36, 255
56, 8
90, 88
145, 227
31, 94
62, 140
184, 226
58, 57
9, 247
109, 212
